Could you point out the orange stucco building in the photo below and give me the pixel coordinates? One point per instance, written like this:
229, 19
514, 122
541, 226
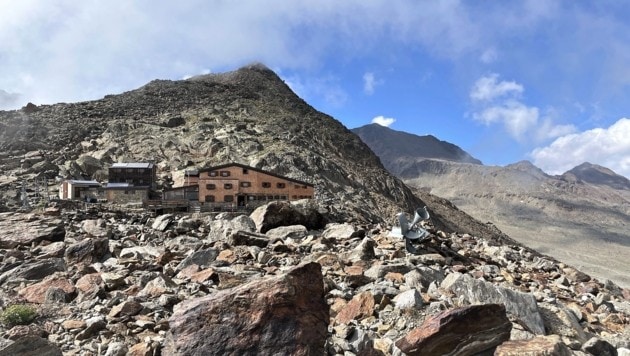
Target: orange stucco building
240, 185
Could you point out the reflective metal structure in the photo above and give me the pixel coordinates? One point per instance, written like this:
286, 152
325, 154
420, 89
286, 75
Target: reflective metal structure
411, 231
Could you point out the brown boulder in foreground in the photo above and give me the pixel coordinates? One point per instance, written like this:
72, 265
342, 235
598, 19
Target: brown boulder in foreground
461, 331
282, 315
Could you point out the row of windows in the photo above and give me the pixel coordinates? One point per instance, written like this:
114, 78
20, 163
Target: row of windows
230, 198
212, 186
224, 173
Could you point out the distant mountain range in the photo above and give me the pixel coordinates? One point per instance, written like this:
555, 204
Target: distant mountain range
581, 217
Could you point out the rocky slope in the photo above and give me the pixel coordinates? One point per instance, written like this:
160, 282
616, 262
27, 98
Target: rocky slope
247, 116
116, 283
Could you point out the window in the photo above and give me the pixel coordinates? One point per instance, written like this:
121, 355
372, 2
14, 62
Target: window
295, 197
228, 198
245, 171
212, 174
224, 173
209, 198
211, 186
266, 185
280, 185
277, 197
251, 198
283, 197
227, 186
246, 184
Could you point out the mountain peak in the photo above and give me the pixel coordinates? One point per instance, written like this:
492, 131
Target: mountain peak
595, 174
526, 166
393, 147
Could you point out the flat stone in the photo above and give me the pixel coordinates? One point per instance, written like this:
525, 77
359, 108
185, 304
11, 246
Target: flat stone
361, 306
34, 270
27, 229
461, 331
550, 345
31, 345
295, 232
36, 293
73, 324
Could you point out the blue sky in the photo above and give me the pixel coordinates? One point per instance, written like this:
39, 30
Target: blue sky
547, 81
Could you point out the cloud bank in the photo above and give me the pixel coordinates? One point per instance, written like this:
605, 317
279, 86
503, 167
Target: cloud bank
609, 147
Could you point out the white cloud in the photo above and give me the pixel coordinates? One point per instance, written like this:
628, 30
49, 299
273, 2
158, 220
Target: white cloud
499, 102
383, 121
489, 88
608, 147
517, 118
369, 83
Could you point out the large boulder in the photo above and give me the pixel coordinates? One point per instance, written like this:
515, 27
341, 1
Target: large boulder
461, 331
520, 305
281, 213
282, 315
26, 229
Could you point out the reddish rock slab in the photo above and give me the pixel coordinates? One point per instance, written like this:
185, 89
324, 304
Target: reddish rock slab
361, 306
461, 331
539, 346
36, 293
281, 315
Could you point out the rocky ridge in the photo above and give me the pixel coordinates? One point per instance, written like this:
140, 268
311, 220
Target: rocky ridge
116, 283
248, 116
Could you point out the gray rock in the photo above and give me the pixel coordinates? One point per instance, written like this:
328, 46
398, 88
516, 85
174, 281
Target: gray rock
31, 346
599, 347
280, 213
161, 222
25, 230
34, 270
409, 300
222, 229
96, 228
342, 231
288, 232
200, 258
560, 320
116, 349
88, 250
141, 252
364, 251
519, 305
93, 326
422, 277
